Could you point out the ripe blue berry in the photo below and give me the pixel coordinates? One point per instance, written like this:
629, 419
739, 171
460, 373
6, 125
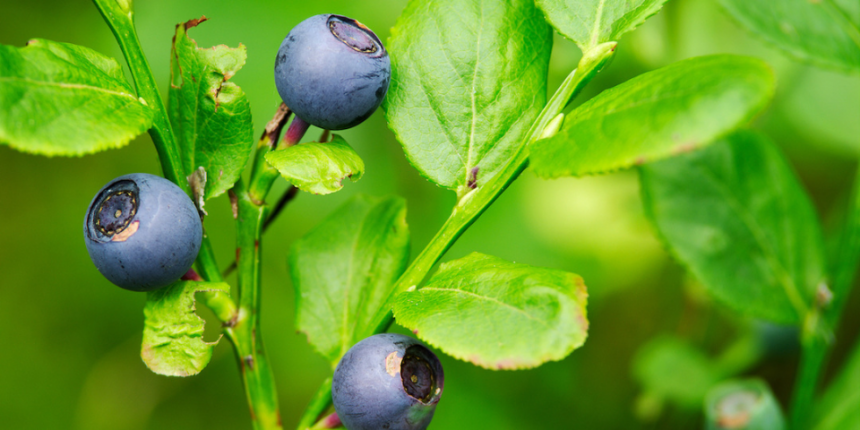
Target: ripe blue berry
142, 232
387, 381
332, 71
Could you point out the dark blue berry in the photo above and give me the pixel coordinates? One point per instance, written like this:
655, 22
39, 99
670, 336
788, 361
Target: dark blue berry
332, 71
142, 232
387, 381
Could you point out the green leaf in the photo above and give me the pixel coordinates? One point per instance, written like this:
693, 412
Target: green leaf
839, 407
318, 168
847, 255
662, 113
63, 99
210, 116
823, 32
344, 269
497, 314
745, 404
173, 342
737, 217
468, 80
670, 369
592, 22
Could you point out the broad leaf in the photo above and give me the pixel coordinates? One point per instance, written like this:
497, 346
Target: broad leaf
210, 115
737, 217
743, 404
497, 314
839, 408
468, 80
592, 22
173, 342
344, 269
672, 370
662, 113
63, 99
823, 32
318, 168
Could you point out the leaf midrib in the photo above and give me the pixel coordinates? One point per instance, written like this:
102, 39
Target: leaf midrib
473, 96
489, 299
69, 86
785, 280
595, 31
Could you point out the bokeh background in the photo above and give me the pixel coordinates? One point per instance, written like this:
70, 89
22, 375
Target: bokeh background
69, 340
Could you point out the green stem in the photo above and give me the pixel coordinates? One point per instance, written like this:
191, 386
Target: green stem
119, 17
816, 338
242, 325
245, 331
319, 404
475, 202
263, 175
221, 304
812, 358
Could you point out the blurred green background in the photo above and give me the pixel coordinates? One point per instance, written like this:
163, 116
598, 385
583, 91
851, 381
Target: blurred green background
69, 340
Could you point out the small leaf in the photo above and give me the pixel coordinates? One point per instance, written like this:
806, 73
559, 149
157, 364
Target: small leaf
592, 22
826, 33
743, 405
672, 370
345, 268
318, 168
468, 79
497, 314
173, 342
737, 217
210, 115
662, 113
63, 99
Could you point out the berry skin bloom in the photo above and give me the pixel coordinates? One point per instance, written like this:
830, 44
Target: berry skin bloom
387, 381
332, 71
142, 232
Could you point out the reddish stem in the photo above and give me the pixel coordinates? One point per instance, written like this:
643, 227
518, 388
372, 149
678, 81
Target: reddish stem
330, 422
191, 275
295, 132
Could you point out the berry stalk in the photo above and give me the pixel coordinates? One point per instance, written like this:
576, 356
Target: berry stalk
474, 203
121, 22
119, 16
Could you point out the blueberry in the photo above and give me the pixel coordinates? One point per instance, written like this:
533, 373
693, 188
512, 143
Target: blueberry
332, 71
142, 232
387, 381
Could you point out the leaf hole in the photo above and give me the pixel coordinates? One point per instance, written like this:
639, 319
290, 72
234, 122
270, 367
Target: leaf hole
212, 329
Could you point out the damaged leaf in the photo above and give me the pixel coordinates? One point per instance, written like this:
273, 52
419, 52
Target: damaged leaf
318, 168
497, 314
210, 115
173, 342
64, 99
